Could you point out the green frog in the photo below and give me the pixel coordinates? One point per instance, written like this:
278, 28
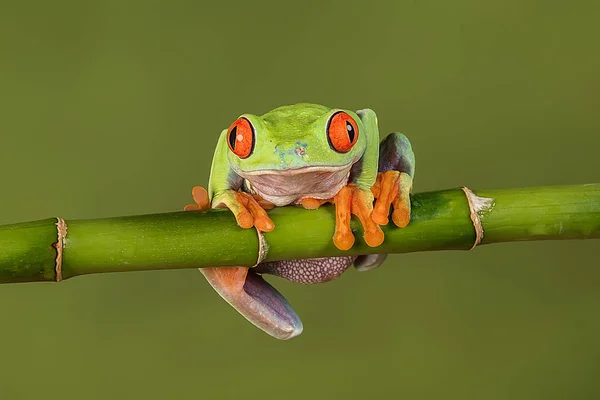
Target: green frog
306, 155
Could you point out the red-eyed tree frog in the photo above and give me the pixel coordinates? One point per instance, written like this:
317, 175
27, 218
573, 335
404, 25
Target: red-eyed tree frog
304, 154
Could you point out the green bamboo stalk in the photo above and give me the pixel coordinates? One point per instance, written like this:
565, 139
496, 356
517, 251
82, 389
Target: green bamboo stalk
440, 221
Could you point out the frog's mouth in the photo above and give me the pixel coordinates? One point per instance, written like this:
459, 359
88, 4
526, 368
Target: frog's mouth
283, 187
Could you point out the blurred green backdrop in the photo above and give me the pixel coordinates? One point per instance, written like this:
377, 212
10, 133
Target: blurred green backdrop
113, 108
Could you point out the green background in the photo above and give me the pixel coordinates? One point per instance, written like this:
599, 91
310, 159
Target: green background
113, 108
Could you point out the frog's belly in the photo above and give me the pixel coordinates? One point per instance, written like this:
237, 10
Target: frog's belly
288, 187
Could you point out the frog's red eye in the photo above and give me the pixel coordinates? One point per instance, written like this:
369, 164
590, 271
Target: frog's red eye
240, 138
342, 132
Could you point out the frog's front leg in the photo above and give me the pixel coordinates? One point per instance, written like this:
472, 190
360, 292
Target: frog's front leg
356, 198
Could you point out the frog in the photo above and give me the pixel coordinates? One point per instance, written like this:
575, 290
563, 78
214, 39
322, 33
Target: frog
304, 155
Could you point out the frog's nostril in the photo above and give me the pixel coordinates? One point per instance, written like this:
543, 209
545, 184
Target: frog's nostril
300, 151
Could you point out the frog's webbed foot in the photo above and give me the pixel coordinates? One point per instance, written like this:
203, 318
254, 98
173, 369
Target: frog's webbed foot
392, 189
253, 297
249, 210
353, 200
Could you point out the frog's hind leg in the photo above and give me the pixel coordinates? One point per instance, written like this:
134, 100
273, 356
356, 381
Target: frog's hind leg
247, 291
259, 302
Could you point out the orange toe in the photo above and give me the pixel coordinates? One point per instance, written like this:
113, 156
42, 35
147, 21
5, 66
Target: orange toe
362, 207
245, 219
343, 237
343, 240
392, 189
200, 197
401, 217
252, 214
374, 238
401, 203
354, 201
386, 193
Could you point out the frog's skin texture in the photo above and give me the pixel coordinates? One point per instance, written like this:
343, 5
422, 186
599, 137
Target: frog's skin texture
304, 154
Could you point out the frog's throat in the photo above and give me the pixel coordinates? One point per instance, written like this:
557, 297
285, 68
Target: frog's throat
283, 187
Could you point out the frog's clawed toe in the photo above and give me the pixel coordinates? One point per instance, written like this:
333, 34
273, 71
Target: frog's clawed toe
259, 302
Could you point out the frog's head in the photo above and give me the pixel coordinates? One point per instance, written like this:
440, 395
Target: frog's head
296, 136
314, 144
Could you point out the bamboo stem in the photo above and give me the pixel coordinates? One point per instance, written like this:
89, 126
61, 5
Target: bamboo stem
440, 221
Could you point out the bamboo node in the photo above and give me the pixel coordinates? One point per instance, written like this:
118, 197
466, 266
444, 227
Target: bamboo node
61, 229
263, 247
477, 205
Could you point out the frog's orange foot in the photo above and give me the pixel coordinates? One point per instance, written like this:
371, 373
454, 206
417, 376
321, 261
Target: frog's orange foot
392, 189
200, 196
352, 200
247, 209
